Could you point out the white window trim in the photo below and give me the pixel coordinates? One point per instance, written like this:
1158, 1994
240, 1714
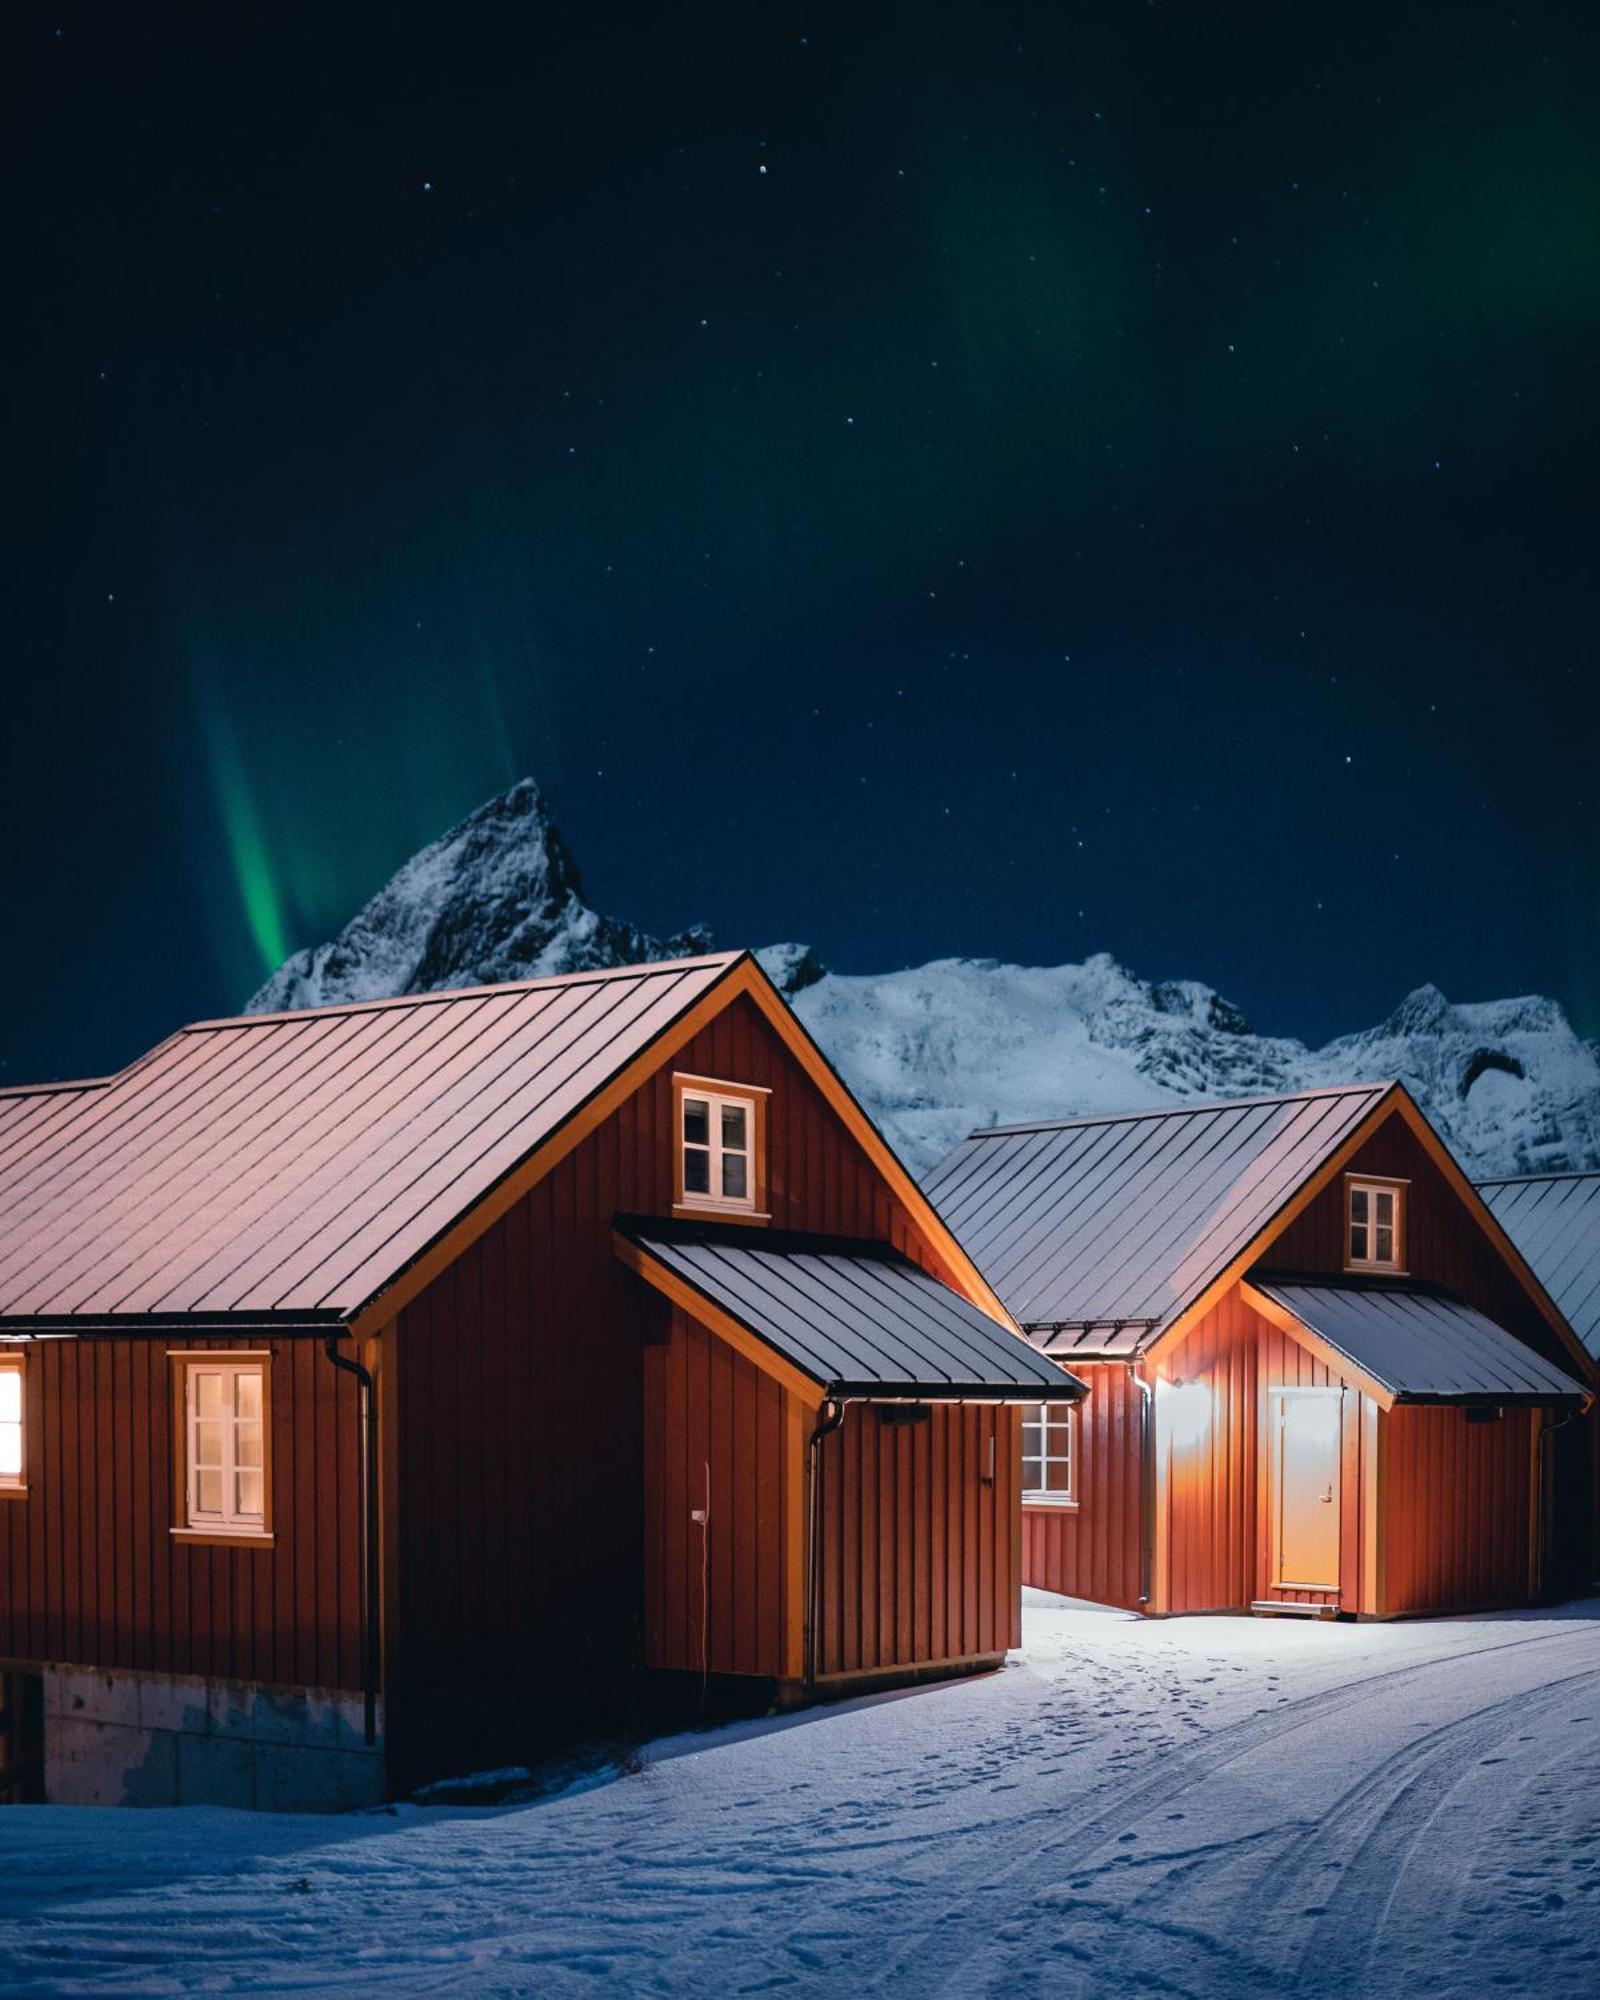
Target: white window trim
227, 1524
15, 1485
715, 1097
1372, 1185
1035, 1496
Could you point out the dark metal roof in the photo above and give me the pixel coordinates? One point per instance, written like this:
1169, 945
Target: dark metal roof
1422, 1346
297, 1163
1554, 1220
1094, 1222
856, 1317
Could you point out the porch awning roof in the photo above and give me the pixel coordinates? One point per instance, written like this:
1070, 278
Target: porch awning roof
850, 1318
1414, 1345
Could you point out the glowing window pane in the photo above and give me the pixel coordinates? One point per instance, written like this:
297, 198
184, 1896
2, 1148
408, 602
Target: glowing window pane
247, 1395
208, 1492
10, 1451
208, 1393
10, 1395
250, 1495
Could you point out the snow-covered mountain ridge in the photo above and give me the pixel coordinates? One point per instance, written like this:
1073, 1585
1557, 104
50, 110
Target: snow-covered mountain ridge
942, 1048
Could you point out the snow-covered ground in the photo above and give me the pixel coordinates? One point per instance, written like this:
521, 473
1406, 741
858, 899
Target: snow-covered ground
1212, 1806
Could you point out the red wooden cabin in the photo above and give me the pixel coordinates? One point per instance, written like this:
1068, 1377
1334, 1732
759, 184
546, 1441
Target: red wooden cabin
1323, 1378
383, 1386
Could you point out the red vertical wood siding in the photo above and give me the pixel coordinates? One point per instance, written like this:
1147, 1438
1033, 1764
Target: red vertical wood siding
714, 1598
1454, 1497
919, 1554
1092, 1550
534, 1342
1454, 1532
90, 1573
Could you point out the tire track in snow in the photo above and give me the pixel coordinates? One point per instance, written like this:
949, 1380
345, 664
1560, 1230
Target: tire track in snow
1408, 1789
928, 1961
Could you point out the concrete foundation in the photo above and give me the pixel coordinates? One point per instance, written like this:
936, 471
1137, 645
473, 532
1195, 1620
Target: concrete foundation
114, 1739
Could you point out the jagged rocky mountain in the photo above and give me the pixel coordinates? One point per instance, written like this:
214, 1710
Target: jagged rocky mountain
958, 1043
499, 897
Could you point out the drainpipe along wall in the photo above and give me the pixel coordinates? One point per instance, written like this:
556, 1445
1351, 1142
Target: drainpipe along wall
371, 1610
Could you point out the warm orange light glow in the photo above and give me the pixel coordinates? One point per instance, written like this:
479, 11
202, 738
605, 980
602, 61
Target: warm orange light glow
1185, 1412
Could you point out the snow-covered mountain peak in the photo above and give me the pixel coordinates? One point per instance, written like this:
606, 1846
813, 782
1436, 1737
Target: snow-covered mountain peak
939, 1049
497, 897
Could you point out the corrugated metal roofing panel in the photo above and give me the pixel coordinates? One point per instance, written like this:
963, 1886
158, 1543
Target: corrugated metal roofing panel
1554, 1220
1422, 1346
1128, 1218
31, 1114
856, 1317
298, 1162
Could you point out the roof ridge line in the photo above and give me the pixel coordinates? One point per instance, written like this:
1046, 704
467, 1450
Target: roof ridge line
54, 1089
1378, 1085
594, 977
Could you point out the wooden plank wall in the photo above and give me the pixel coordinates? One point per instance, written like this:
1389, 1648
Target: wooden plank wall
1455, 1514
1208, 1498
1092, 1550
1454, 1522
521, 1394
714, 1600
90, 1574
920, 1557
1445, 1246
1216, 1496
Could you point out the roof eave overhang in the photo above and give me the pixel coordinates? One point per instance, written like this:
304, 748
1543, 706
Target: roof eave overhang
1495, 1399
1386, 1394
316, 1324
1059, 1387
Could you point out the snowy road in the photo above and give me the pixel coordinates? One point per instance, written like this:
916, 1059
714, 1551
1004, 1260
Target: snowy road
1213, 1806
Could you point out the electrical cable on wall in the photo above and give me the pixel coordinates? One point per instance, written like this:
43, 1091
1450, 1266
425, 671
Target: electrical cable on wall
703, 1516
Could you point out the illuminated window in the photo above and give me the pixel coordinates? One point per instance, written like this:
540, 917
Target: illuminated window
1373, 1226
226, 1483
13, 1439
720, 1146
1050, 1453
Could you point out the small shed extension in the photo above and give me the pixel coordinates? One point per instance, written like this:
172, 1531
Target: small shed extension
831, 1450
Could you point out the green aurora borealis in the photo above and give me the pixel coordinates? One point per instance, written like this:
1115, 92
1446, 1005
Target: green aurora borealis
1120, 478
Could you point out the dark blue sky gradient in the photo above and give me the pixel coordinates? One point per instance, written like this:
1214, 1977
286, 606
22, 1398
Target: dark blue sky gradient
1122, 478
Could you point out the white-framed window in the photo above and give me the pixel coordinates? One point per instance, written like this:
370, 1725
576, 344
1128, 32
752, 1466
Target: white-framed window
720, 1143
1050, 1453
13, 1425
226, 1471
1374, 1221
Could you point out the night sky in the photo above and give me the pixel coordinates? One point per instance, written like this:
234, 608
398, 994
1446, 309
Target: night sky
1012, 481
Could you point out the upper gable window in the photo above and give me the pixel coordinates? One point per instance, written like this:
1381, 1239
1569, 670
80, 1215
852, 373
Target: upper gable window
720, 1146
13, 1442
1374, 1224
